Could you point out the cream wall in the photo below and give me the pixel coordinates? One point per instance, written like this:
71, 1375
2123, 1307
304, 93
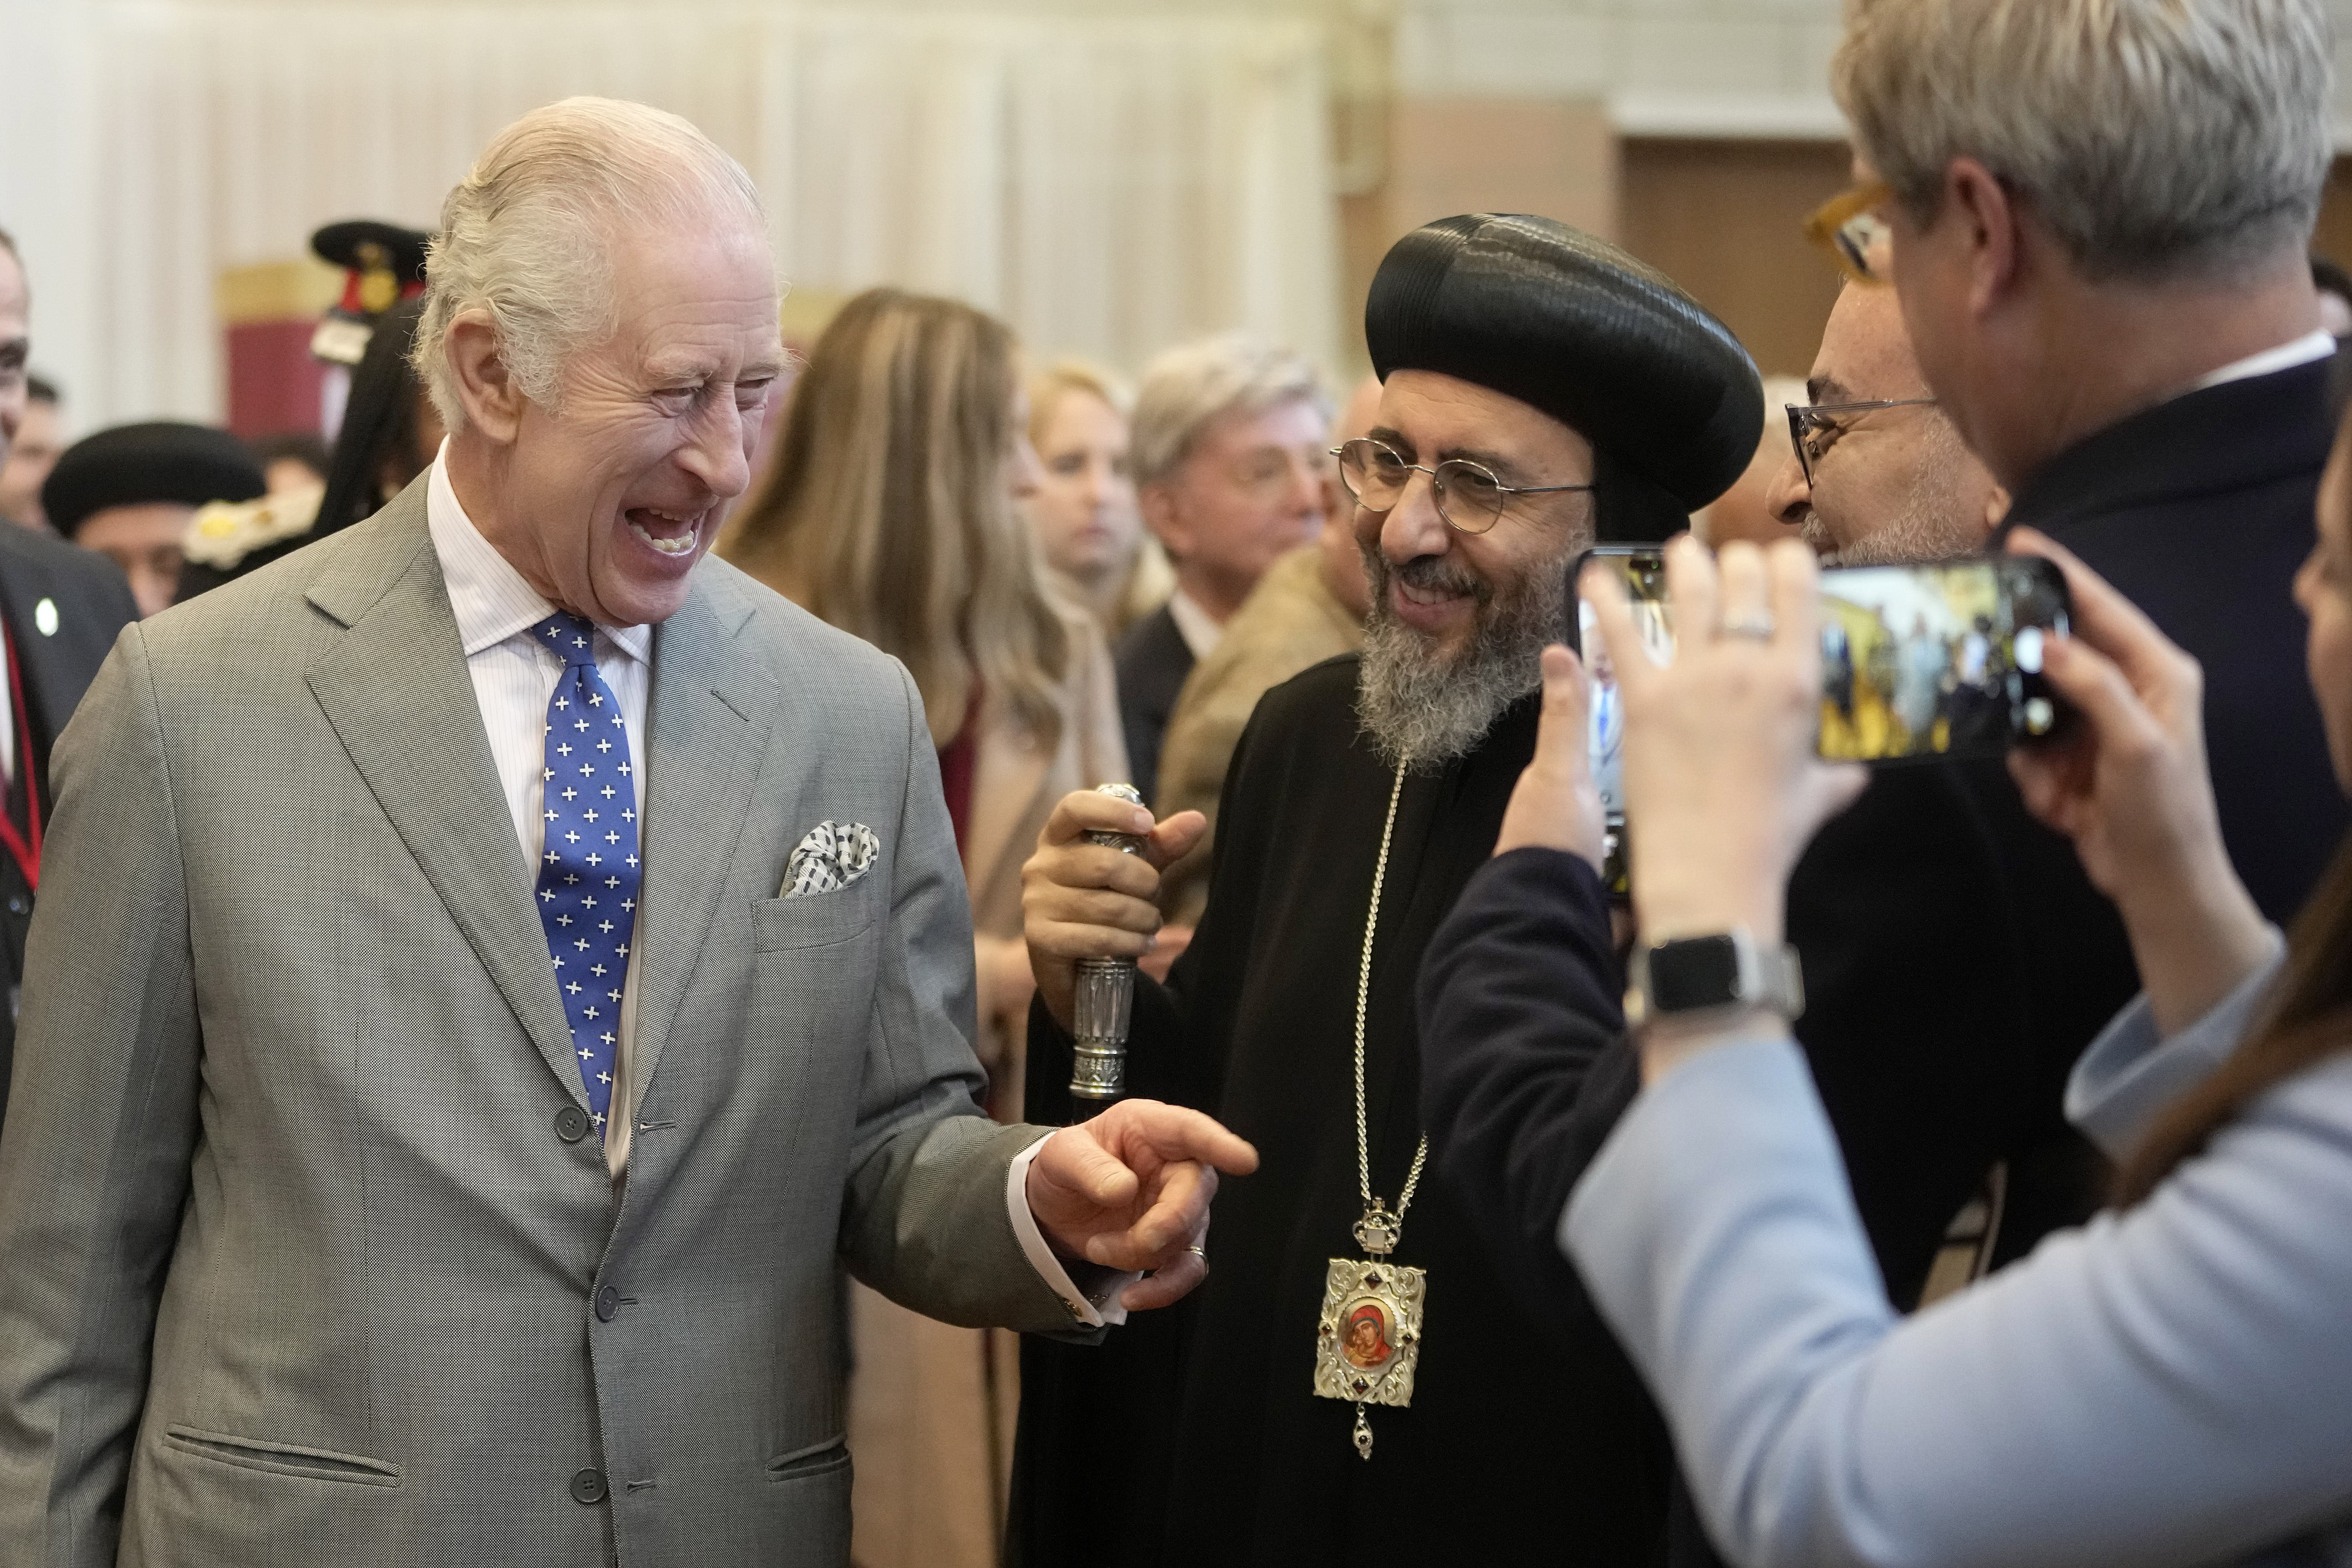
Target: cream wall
1744, 68
1254, 208
1109, 177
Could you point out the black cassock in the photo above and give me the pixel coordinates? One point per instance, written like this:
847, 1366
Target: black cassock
1192, 1435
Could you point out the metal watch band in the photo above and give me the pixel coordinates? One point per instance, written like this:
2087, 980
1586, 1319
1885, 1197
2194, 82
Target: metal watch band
1744, 975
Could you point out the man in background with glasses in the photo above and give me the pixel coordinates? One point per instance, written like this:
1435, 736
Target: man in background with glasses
1540, 390
2095, 217
1872, 470
2097, 220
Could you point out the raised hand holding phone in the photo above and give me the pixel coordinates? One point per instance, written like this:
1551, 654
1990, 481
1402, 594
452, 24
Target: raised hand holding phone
1556, 803
1722, 787
2130, 788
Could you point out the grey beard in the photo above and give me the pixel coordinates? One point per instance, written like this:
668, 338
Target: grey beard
1424, 710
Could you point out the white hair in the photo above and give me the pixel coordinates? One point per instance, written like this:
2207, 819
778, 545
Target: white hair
1196, 383
2156, 139
526, 237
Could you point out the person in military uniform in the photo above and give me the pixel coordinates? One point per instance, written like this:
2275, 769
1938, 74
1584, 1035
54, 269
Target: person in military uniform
389, 432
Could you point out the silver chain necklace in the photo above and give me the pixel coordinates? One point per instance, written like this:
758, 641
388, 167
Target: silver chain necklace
1373, 1208
1368, 1341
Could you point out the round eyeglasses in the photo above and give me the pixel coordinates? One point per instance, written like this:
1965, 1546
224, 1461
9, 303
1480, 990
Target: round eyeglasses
1469, 498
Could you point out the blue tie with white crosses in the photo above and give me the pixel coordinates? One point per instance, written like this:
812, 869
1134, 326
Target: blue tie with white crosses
588, 870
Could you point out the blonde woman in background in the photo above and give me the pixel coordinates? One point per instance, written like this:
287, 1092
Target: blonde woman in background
1084, 510
890, 510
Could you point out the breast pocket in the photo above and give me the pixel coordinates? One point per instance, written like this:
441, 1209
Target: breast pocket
817, 961
817, 920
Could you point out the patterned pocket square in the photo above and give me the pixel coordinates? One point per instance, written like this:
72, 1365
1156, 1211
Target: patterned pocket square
832, 856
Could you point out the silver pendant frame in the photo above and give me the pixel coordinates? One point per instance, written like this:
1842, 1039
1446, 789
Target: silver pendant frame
1389, 1297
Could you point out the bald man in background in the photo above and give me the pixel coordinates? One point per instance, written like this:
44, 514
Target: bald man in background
1890, 479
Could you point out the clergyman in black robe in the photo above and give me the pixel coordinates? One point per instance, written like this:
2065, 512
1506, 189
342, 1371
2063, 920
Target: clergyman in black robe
1527, 1438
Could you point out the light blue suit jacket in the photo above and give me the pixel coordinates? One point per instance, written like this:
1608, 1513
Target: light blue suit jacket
2172, 1385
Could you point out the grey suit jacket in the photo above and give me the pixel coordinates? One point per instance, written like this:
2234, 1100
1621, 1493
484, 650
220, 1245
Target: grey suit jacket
295, 1268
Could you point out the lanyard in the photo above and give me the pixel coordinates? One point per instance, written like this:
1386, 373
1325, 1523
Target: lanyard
23, 848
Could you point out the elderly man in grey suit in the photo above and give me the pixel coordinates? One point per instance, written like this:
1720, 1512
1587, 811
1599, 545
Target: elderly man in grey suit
494, 968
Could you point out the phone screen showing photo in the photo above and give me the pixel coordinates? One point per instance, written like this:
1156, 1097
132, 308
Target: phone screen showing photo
1645, 586
1938, 660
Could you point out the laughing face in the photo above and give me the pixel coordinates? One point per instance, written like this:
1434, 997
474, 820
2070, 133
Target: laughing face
605, 502
1459, 620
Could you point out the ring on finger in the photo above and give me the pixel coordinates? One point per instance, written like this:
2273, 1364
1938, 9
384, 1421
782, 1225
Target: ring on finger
1757, 627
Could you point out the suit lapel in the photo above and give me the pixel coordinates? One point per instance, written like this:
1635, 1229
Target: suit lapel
710, 718
396, 691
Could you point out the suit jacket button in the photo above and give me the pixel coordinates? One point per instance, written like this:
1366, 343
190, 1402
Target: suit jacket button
608, 1303
588, 1486
572, 1124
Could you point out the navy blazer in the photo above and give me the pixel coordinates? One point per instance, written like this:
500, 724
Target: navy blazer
1958, 961
2200, 511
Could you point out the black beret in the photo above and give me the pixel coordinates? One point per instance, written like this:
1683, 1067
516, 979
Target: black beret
1573, 326
356, 242
162, 460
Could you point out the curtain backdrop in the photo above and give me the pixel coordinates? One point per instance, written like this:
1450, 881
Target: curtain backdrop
1110, 185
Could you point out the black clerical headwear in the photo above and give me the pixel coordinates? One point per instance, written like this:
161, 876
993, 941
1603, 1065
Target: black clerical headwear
365, 248
1575, 327
384, 265
162, 460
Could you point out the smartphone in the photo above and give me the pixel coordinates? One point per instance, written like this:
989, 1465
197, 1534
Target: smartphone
1937, 660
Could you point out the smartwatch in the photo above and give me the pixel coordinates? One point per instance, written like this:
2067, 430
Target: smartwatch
1694, 976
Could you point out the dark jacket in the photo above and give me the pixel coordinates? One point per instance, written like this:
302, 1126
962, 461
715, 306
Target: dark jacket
1152, 660
2200, 511
89, 604
1192, 1435
1956, 959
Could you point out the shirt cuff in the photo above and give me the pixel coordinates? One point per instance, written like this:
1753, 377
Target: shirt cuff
1093, 1307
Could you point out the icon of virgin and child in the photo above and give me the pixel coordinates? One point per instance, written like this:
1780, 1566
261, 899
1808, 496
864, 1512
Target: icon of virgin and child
1366, 1343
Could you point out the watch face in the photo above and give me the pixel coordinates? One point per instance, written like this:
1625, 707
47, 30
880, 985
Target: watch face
1697, 972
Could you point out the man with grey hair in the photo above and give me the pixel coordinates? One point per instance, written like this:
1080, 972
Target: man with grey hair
2099, 217
2096, 213
1230, 470
496, 967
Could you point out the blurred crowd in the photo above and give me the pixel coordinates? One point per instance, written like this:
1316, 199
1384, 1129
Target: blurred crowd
1907, 1322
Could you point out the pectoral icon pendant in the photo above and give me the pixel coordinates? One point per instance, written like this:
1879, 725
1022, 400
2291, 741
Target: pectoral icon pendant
1368, 1341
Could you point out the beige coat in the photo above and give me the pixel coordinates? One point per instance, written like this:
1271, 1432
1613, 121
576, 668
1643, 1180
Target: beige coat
930, 1405
1291, 621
